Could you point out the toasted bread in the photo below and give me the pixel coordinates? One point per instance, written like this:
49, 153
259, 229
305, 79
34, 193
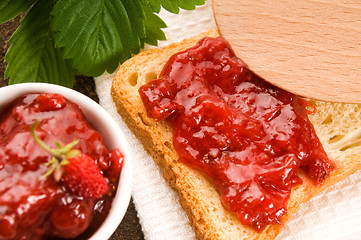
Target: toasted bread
335, 124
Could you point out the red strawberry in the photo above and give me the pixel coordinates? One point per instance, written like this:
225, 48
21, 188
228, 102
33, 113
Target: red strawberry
78, 171
82, 177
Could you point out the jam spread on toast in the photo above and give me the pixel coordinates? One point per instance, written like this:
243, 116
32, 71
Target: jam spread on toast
249, 137
36, 207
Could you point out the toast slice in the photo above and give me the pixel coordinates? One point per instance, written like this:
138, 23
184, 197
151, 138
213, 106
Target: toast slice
337, 125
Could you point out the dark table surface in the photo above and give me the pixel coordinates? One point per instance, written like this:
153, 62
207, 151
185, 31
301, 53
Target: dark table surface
129, 229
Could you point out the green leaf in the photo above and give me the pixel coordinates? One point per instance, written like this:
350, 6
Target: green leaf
172, 6
32, 56
152, 19
190, 5
11, 8
89, 36
98, 34
154, 4
136, 16
153, 24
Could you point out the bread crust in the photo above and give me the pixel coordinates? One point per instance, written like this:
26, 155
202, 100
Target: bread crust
197, 194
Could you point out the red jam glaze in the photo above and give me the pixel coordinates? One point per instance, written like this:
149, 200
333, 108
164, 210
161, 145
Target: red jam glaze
40, 208
248, 136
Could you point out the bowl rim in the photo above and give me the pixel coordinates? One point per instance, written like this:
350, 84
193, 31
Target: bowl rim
112, 134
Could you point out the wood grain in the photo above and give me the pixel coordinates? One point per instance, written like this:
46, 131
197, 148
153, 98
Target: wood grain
309, 47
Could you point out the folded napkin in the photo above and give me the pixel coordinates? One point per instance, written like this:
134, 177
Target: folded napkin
335, 214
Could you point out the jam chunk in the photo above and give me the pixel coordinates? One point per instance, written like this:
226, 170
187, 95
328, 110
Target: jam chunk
248, 136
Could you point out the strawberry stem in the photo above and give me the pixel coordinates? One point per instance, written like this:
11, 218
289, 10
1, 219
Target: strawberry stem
43, 145
59, 156
52, 164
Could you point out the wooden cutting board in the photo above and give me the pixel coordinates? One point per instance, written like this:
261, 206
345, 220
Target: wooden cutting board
309, 47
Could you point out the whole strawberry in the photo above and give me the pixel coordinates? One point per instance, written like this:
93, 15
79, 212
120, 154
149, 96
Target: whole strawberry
76, 170
82, 176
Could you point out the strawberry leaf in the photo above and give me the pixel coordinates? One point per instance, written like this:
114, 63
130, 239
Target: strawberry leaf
153, 25
69, 146
11, 8
172, 6
136, 16
154, 4
58, 38
70, 154
97, 34
32, 56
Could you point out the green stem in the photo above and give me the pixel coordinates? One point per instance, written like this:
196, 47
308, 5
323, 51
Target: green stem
43, 145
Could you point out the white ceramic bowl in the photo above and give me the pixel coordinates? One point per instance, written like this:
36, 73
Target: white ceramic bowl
106, 125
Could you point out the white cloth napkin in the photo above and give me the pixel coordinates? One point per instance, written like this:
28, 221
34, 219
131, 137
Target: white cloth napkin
335, 214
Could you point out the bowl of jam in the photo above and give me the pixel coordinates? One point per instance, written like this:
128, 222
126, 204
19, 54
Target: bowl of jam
65, 165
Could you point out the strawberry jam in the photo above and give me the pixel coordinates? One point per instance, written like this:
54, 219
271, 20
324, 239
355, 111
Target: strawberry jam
36, 207
249, 137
